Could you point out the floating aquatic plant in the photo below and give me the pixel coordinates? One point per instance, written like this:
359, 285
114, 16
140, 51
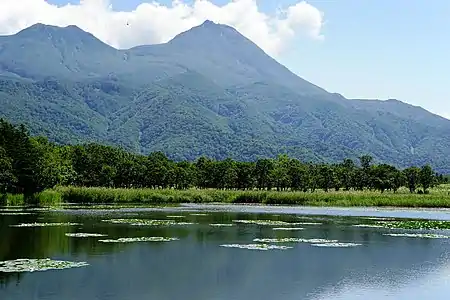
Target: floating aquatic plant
293, 240
199, 214
419, 235
222, 225
32, 265
319, 241
281, 240
309, 223
266, 222
42, 208
288, 228
145, 222
336, 245
140, 239
14, 213
83, 235
314, 218
175, 217
263, 247
368, 226
416, 224
44, 224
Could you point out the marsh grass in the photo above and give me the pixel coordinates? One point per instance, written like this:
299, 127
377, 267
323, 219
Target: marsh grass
45, 198
438, 197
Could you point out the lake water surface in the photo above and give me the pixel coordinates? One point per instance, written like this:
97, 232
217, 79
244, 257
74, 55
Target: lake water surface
204, 263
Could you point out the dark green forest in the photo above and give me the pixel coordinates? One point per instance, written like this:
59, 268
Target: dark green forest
29, 165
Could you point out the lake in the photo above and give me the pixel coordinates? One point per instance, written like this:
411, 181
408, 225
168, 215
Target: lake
209, 252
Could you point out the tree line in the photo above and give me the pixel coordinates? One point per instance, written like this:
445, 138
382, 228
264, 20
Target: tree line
29, 165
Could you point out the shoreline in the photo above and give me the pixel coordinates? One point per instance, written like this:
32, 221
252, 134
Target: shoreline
439, 198
438, 214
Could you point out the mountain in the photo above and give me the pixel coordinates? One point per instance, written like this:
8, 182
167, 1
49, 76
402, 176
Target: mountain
209, 91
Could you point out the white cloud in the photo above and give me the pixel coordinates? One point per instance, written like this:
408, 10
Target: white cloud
151, 23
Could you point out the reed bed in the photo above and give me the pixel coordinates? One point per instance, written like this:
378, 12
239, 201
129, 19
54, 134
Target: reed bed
438, 197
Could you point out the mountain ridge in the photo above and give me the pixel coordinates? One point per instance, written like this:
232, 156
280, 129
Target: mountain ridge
208, 91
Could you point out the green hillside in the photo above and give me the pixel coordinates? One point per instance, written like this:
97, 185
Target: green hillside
210, 91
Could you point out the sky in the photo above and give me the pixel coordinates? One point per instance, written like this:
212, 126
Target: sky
363, 49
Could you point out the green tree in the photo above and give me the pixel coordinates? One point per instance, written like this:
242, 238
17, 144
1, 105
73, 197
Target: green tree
24, 157
313, 177
245, 171
280, 172
263, 170
426, 178
386, 177
346, 173
399, 180
55, 166
364, 180
412, 178
298, 174
184, 175
225, 174
327, 177
204, 170
157, 168
7, 178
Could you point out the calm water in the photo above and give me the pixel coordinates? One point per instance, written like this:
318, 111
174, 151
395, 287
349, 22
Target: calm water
196, 267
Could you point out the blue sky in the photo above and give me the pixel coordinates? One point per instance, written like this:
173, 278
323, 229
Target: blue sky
371, 49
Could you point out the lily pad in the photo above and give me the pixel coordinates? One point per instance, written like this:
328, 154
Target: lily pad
293, 240
145, 222
336, 245
83, 235
263, 247
45, 224
416, 224
368, 226
140, 239
32, 265
419, 235
266, 222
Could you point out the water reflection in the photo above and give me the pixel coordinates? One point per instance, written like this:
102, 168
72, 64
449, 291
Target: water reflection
418, 213
434, 283
195, 267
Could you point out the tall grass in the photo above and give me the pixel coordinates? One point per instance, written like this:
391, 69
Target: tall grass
438, 197
45, 198
345, 199
142, 196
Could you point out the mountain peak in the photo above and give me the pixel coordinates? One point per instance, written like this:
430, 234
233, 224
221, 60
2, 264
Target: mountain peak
225, 44
208, 23
68, 36
208, 30
45, 28
213, 25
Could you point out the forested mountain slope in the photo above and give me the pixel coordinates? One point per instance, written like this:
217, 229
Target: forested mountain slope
209, 91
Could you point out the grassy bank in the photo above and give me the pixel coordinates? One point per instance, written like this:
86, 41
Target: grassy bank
438, 197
